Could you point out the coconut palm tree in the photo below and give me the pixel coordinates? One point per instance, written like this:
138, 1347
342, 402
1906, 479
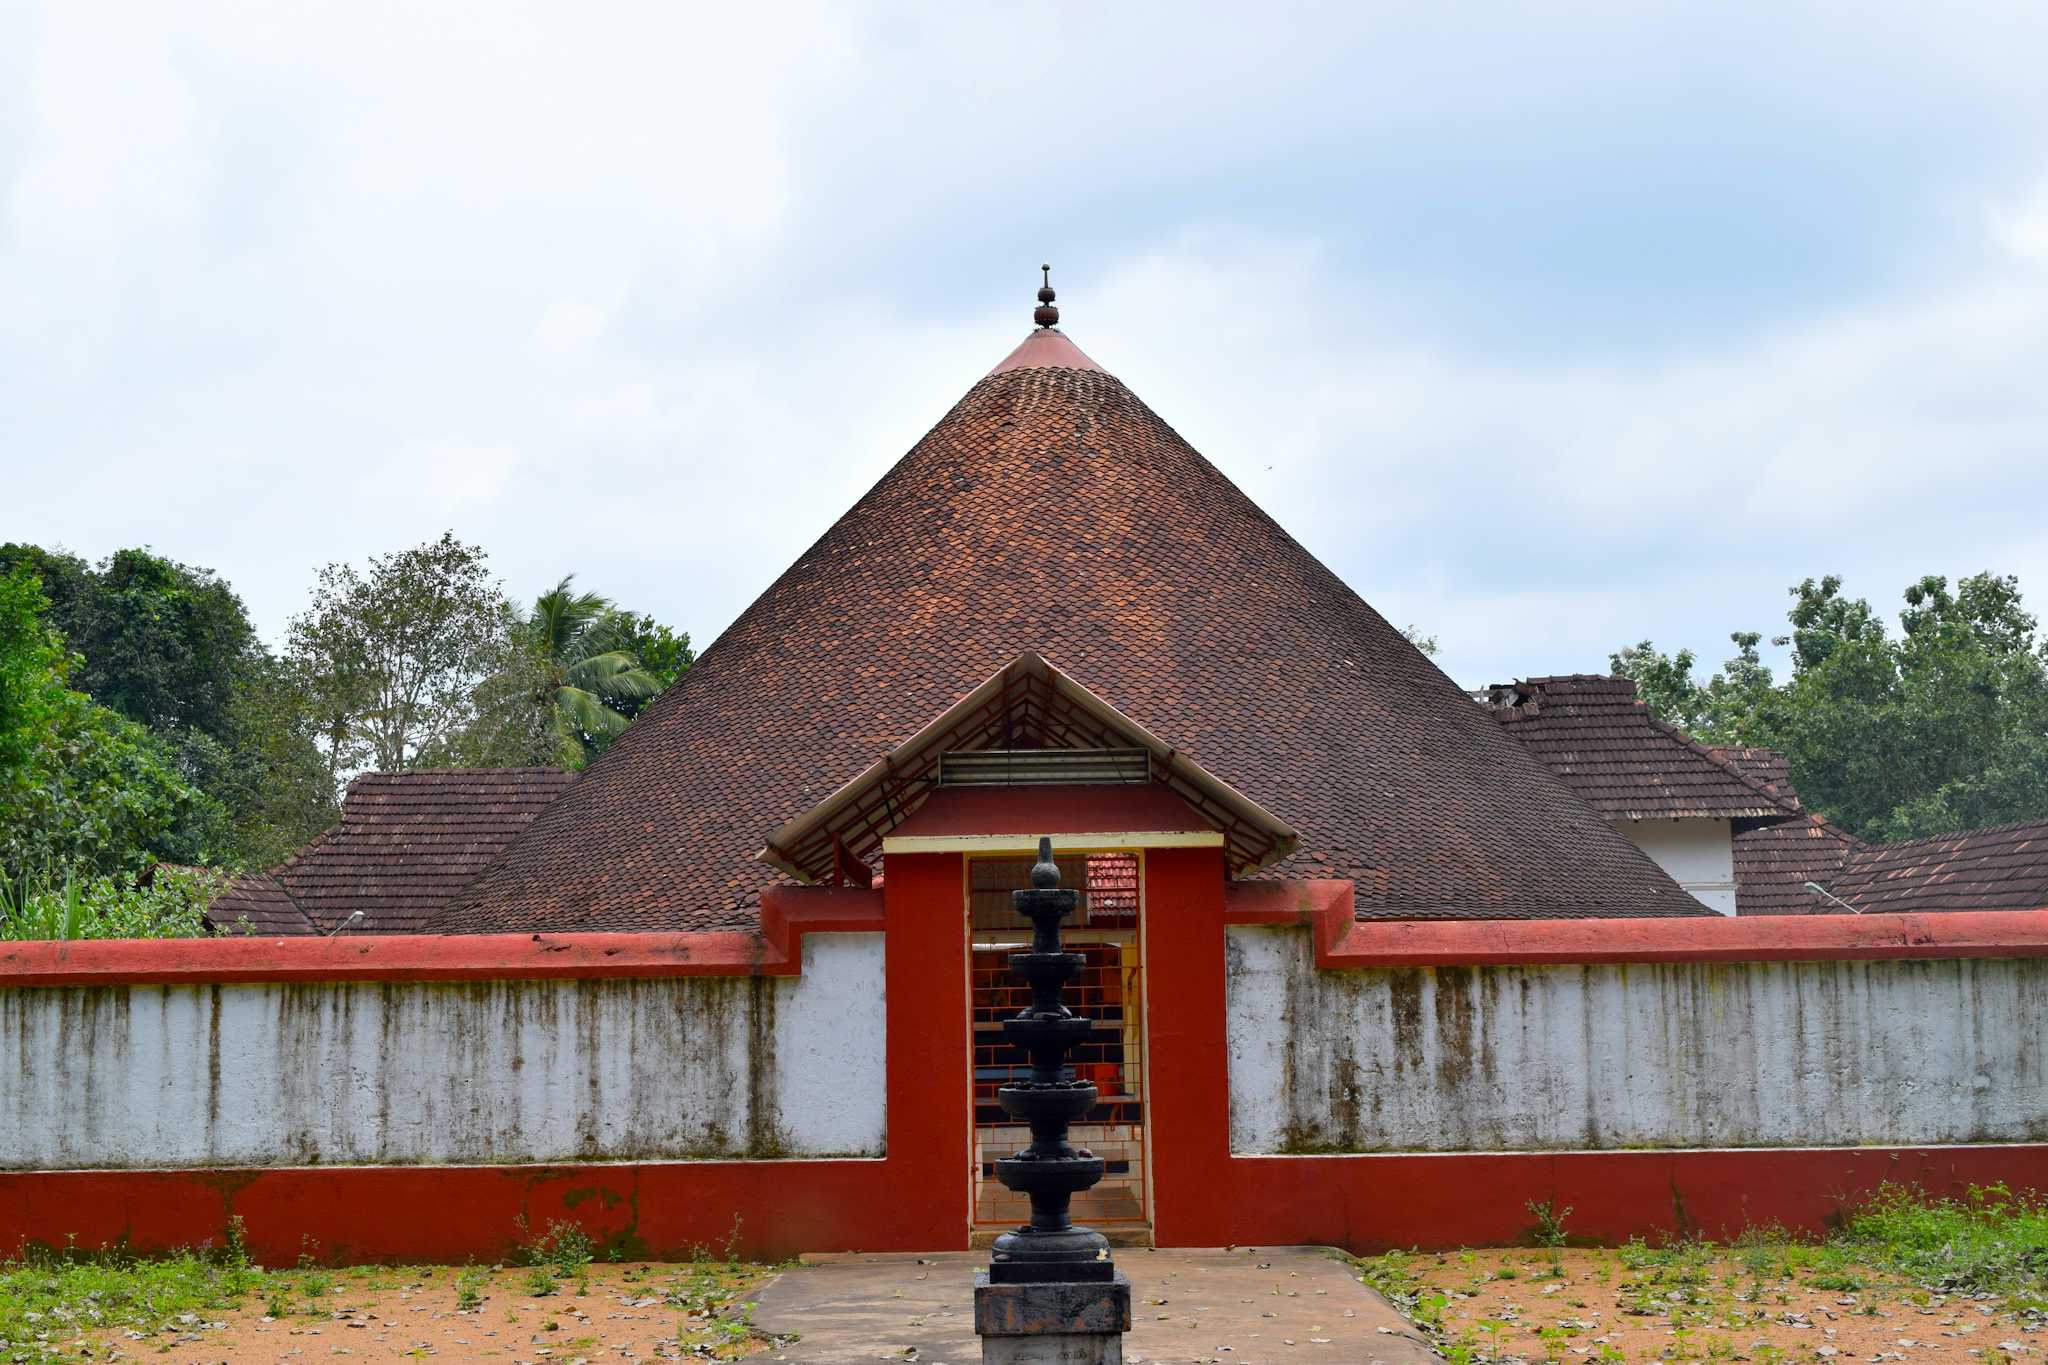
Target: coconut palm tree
576, 639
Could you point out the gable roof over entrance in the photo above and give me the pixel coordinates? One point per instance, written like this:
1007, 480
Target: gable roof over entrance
1052, 511
1027, 705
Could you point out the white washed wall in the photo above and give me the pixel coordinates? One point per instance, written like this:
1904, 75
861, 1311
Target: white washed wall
1630, 1055
470, 1072
1697, 854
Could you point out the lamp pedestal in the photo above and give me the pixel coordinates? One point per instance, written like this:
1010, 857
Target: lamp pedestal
1051, 1295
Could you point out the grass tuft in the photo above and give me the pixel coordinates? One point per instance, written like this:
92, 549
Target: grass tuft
1990, 1242
48, 1299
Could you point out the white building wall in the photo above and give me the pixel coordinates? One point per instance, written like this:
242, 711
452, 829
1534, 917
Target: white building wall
1698, 854
1630, 1054
468, 1072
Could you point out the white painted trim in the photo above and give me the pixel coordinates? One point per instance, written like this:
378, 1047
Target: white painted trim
1069, 843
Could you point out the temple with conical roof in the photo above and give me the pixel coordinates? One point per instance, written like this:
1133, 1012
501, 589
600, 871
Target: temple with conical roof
1053, 515
751, 973
1052, 617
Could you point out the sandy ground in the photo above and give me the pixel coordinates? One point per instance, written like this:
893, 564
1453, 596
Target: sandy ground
1489, 1305
624, 1313
1709, 1307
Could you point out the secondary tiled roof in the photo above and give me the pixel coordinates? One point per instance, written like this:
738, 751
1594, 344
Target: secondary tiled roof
405, 844
1596, 734
2003, 868
1767, 768
1053, 511
1773, 863
1599, 737
256, 903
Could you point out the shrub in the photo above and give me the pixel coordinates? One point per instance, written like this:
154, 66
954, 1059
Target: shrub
169, 904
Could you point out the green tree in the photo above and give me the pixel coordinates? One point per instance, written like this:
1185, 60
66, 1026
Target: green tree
32, 667
665, 654
273, 777
1943, 726
165, 902
83, 789
1666, 685
171, 647
590, 669
1717, 711
393, 658
577, 671
164, 643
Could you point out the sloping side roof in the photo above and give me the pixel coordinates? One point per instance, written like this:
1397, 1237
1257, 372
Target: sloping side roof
254, 902
405, 844
2002, 868
1050, 510
1767, 768
1773, 863
1596, 734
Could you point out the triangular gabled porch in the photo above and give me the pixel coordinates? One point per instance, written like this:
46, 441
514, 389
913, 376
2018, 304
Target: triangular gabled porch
952, 815
1028, 727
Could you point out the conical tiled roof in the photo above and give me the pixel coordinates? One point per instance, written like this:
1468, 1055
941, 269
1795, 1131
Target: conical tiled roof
1053, 511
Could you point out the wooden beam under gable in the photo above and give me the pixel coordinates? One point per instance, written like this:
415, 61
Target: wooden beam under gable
1028, 704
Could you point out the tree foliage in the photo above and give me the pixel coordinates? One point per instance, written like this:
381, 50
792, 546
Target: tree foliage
662, 652
163, 643
575, 674
170, 647
1414, 635
589, 667
272, 776
1941, 726
392, 659
82, 788
142, 720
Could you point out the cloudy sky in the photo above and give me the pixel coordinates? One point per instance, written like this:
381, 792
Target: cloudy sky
1549, 327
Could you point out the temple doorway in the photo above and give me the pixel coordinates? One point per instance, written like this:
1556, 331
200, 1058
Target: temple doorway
1110, 992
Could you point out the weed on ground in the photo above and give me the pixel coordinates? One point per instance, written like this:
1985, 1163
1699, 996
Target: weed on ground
49, 1302
1907, 1278
213, 1305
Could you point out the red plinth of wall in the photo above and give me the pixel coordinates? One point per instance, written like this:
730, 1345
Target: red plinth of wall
662, 1210
1373, 1203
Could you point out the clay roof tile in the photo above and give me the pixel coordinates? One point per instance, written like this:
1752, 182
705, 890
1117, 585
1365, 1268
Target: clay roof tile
1052, 511
405, 845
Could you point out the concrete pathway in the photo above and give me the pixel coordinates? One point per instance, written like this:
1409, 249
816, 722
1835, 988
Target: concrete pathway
1240, 1306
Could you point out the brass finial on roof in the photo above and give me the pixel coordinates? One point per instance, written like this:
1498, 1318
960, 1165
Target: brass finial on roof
1046, 315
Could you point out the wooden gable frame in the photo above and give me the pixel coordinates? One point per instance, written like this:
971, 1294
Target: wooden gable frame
1028, 704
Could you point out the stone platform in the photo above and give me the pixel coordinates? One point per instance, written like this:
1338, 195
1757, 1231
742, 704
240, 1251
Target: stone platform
1270, 1304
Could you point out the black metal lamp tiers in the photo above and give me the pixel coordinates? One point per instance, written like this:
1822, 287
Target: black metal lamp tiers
1051, 1247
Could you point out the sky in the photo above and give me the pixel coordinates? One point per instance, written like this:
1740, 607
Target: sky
1549, 328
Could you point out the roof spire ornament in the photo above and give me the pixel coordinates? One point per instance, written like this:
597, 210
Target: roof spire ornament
1046, 315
